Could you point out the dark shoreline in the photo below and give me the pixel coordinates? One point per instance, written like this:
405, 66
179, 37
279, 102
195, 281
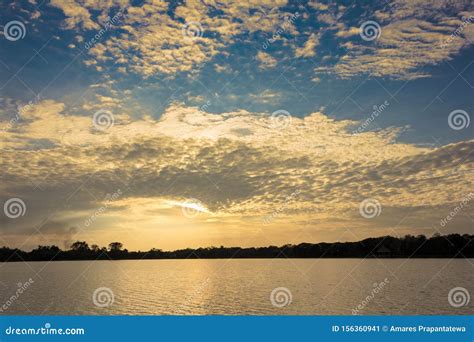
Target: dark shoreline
387, 247
184, 259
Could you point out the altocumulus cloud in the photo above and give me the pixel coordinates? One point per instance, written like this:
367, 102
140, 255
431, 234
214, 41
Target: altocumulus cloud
158, 41
412, 34
149, 41
187, 153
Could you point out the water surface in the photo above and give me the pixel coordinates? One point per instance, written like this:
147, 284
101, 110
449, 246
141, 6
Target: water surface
237, 286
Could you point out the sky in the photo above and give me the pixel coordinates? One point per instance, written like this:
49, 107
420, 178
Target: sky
174, 124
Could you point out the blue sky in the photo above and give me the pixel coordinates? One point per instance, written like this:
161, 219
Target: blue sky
58, 71
228, 58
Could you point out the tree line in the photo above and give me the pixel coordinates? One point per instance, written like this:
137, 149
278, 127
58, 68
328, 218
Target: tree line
409, 246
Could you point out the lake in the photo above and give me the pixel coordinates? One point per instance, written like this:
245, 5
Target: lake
239, 287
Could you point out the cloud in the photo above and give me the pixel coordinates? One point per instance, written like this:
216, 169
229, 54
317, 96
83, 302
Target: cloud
308, 50
266, 61
77, 15
238, 164
421, 34
266, 96
348, 32
148, 41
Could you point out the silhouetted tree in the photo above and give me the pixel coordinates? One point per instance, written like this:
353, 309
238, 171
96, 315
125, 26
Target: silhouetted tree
95, 248
45, 253
80, 246
115, 246
438, 246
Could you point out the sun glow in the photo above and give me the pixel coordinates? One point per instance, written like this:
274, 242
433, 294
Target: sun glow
192, 204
